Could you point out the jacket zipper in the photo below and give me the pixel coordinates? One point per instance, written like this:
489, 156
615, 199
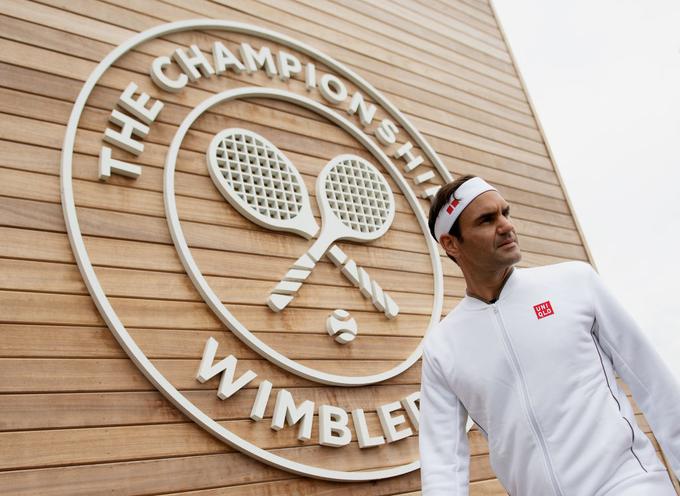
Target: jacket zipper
525, 392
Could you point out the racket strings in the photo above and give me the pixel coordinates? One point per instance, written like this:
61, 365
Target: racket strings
358, 195
259, 176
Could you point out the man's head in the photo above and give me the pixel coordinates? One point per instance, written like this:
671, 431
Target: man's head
482, 236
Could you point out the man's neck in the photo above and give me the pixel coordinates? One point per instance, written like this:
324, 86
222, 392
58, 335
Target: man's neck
487, 286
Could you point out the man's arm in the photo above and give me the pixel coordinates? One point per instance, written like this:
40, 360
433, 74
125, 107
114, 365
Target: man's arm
444, 451
654, 387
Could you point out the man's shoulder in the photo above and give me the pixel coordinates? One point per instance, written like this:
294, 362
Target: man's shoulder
440, 336
563, 270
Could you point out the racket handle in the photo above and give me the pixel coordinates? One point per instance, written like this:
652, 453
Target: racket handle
359, 277
284, 292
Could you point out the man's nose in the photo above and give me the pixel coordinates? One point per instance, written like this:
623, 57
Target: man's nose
505, 225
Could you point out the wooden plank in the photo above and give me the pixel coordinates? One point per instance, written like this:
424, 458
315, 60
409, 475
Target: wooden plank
397, 40
99, 409
38, 245
94, 445
98, 342
461, 11
22, 275
452, 29
464, 117
35, 158
533, 186
27, 157
38, 215
102, 8
138, 200
41, 375
38, 308
482, 143
21, 156
184, 474
463, 46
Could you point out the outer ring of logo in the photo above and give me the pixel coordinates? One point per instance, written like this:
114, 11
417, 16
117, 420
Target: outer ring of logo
104, 305
213, 301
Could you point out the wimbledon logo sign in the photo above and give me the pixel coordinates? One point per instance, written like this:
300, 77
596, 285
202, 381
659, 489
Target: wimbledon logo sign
380, 180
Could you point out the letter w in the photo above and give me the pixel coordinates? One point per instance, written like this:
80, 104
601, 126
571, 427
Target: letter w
207, 371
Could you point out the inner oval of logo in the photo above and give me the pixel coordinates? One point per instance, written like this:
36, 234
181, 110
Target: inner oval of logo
248, 200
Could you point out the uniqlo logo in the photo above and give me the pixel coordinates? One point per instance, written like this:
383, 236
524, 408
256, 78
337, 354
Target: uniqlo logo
451, 206
543, 309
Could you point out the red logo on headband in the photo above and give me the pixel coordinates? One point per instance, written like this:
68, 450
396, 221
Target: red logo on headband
452, 205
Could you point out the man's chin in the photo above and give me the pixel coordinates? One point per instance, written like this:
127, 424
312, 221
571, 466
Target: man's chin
513, 256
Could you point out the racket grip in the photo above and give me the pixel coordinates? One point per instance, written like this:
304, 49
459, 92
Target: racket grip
359, 277
284, 292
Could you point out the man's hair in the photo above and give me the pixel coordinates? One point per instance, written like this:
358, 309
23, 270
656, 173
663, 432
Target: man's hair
442, 198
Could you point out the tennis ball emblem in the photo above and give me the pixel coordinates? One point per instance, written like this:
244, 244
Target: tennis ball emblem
341, 326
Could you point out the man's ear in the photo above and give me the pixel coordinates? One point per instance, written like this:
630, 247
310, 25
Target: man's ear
450, 244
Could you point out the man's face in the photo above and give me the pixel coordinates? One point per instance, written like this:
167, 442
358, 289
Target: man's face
489, 238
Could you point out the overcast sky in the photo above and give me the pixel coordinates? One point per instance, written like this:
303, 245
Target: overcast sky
604, 77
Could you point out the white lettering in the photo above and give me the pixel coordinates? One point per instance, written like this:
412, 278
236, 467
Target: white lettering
137, 106
366, 113
288, 65
263, 392
226, 366
285, 411
224, 59
412, 161
390, 423
410, 404
109, 165
190, 63
430, 192
253, 60
333, 430
162, 80
310, 76
387, 132
361, 428
425, 176
123, 139
332, 89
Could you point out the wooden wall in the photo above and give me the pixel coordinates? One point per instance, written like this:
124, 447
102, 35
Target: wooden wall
76, 415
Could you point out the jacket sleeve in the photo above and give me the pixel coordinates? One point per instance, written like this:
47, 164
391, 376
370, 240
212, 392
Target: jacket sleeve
444, 450
653, 385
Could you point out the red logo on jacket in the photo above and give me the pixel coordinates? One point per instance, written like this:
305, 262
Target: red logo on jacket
543, 309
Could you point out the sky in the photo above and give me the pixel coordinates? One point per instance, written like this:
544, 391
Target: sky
604, 77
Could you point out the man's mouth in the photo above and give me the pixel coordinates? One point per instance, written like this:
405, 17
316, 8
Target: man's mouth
507, 242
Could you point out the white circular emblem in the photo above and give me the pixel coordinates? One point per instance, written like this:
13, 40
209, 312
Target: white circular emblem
354, 202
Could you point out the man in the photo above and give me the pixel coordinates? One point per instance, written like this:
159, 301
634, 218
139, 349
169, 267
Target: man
530, 354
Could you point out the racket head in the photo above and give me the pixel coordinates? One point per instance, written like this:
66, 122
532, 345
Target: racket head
354, 198
259, 181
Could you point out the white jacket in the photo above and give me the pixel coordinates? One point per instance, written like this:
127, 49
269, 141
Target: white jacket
541, 387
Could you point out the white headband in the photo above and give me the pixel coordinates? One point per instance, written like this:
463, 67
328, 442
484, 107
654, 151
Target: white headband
461, 198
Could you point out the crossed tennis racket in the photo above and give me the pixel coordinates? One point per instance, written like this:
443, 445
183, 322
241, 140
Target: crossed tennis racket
355, 201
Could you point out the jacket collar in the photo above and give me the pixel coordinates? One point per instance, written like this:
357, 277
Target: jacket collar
475, 302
